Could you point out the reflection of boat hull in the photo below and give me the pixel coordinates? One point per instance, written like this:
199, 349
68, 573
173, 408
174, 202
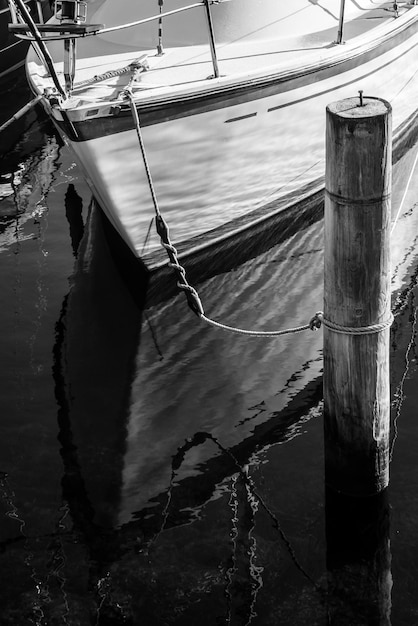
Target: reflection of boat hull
97, 336
122, 418
223, 148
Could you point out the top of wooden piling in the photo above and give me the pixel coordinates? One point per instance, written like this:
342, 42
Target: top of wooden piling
358, 140
360, 107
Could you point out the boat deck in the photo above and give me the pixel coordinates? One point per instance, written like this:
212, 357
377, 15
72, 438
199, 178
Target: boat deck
103, 65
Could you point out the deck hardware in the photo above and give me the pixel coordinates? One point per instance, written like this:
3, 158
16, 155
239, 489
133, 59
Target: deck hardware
73, 11
360, 93
70, 12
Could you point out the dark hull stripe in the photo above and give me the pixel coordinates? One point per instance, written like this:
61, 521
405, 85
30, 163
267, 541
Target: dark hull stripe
241, 117
256, 89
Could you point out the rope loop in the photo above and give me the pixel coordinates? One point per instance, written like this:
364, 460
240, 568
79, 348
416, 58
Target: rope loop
178, 268
164, 232
193, 299
169, 247
359, 330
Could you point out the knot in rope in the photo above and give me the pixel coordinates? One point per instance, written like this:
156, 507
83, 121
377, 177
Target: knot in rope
190, 292
192, 298
316, 321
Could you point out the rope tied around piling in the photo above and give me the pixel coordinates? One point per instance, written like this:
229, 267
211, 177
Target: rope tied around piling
359, 330
163, 231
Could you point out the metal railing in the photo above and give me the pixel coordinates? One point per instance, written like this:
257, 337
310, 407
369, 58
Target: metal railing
341, 22
13, 13
36, 33
340, 39
205, 3
42, 33
37, 37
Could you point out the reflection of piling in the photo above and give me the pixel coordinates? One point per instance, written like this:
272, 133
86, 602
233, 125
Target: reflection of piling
358, 559
357, 295
74, 214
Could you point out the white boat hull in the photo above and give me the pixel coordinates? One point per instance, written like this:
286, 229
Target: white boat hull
223, 148
205, 167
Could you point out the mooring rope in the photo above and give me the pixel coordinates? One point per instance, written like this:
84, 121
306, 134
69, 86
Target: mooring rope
359, 330
190, 292
314, 324
25, 109
136, 66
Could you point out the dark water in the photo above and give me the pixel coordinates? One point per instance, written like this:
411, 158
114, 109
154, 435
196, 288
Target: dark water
156, 471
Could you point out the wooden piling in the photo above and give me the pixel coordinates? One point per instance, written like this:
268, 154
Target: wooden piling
357, 313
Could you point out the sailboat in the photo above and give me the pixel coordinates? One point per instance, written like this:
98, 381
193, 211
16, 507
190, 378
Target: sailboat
212, 113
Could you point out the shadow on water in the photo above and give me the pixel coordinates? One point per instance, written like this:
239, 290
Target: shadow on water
358, 559
97, 336
93, 356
